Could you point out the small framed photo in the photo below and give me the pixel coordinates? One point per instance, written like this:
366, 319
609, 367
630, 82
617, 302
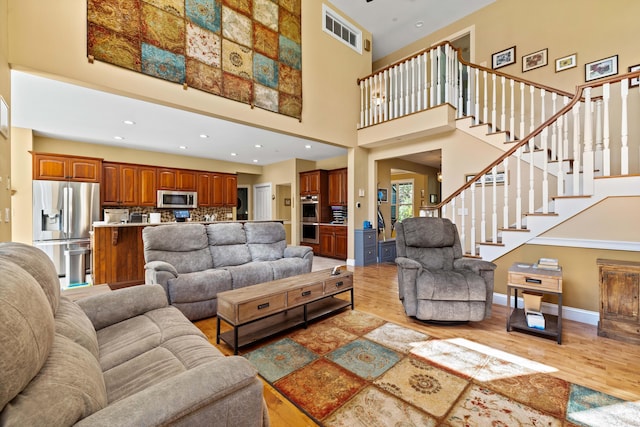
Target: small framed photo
534, 60
566, 62
383, 195
433, 199
4, 118
634, 82
503, 58
601, 68
287, 202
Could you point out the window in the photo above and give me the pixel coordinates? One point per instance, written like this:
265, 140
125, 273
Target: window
401, 200
340, 29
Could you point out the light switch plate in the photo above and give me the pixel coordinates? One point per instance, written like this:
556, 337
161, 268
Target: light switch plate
7, 214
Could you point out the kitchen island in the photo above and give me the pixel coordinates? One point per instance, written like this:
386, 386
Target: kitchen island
118, 252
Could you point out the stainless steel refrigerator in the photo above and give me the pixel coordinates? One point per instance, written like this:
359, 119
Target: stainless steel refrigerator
63, 213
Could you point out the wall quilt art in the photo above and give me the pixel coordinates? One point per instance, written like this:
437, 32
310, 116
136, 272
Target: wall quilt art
245, 50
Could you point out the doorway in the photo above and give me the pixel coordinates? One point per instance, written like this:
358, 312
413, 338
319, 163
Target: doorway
262, 202
242, 208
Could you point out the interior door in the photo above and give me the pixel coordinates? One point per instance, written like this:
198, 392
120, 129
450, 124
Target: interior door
262, 202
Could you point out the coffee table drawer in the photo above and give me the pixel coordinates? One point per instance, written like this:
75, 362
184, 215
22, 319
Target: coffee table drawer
338, 284
536, 281
304, 294
260, 307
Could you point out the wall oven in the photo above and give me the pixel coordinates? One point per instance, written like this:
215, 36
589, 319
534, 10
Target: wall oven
309, 206
310, 233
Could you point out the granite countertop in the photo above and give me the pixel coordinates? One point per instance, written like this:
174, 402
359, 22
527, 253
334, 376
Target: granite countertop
100, 224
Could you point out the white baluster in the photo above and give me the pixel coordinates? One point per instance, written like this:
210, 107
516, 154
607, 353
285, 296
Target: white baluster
453, 210
505, 209
503, 115
460, 91
425, 83
624, 128
385, 96
477, 107
472, 244
598, 151
494, 207
532, 192
522, 134
576, 149
396, 93
483, 209
434, 76
518, 154
462, 227
587, 155
512, 113
560, 157
362, 101
554, 136
545, 170
439, 81
532, 109
413, 85
407, 82
485, 113
606, 152
494, 123
367, 103
469, 91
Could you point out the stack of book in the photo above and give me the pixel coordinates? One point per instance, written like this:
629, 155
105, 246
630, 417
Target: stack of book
548, 264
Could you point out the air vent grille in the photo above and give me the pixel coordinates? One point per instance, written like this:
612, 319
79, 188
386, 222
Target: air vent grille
340, 29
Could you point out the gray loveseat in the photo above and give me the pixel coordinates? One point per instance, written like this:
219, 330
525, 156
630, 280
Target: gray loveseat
193, 262
122, 358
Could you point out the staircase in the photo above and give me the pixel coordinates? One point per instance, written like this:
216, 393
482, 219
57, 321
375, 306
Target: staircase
563, 152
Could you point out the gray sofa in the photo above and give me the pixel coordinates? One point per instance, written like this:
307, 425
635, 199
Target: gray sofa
435, 281
193, 262
122, 358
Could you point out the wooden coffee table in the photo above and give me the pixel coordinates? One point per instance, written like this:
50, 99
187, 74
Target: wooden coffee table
259, 311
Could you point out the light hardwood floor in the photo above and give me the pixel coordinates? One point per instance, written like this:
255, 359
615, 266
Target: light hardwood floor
583, 357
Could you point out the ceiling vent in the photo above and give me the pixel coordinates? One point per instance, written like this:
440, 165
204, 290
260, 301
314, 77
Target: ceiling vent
340, 29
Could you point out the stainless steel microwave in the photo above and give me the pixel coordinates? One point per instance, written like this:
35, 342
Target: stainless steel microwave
177, 199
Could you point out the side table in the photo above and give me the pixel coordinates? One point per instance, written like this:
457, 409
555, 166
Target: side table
525, 277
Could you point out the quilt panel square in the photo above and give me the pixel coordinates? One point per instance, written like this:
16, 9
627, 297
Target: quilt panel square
204, 77
290, 53
106, 45
203, 45
237, 27
121, 16
204, 13
266, 12
265, 98
163, 29
163, 64
265, 41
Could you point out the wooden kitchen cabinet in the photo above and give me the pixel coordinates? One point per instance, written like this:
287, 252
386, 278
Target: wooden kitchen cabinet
59, 167
619, 300
313, 182
337, 187
225, 190
333, 241
205, 189
177, 179
125, 184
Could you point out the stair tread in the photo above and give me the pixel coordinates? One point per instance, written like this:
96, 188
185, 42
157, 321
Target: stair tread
514, 229
541, 214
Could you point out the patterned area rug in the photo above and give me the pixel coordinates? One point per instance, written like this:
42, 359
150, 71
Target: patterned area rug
355, 369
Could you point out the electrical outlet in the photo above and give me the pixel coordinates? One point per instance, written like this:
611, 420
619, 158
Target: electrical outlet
229, 215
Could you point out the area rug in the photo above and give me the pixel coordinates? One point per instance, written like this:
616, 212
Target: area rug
355, 369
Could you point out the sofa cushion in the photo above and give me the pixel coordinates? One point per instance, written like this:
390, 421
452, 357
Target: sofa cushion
265, 232
451, 285
69, 387
27, 329
428, 234
432, 258
184, 246
73, 323
287, 267
249, 274
228, 244
198, 286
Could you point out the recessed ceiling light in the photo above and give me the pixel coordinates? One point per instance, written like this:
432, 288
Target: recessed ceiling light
202, 135
419, 24
258, 146
119, 138
183, 147
129, 122
308, 146
234, 154
255, 160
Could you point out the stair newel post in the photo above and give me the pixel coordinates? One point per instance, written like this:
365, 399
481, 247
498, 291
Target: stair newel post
477, 97
606, 152
522, 134
518, 154
472, 238
587, 149
624, 128
512, 112
576, 149
485, 113
493, 103
505, 189
503, 116
425, 82
494, 206
598, 150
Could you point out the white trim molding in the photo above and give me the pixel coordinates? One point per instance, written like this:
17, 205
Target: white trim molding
613, 245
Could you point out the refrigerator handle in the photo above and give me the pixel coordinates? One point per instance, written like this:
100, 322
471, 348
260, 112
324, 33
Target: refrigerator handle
69, 215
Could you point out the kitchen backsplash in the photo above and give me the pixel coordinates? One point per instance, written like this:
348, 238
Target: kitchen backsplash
198, 214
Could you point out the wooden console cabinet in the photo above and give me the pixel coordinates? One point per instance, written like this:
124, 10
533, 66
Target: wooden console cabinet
619, 300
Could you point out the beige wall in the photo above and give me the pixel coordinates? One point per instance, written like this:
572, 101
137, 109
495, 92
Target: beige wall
594, 29
5, 144
50, 38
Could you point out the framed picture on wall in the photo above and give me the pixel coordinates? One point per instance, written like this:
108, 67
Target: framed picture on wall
634, 82
503, 58
534, 60
601, 68
383, 195
566, 62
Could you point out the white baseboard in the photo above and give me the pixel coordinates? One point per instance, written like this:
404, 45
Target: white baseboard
569, 313
351, 262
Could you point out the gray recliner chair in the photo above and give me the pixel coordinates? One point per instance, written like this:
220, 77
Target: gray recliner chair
435, 281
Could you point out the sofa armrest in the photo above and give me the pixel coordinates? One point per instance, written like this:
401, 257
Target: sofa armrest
297, 251
473, 264
113, 307
161, 266
409, 263
190, 398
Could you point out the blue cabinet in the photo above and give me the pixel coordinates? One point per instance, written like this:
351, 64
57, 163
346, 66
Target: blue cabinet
387, 250
365, 247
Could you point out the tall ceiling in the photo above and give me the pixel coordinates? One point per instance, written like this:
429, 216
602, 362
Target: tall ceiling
65, 111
